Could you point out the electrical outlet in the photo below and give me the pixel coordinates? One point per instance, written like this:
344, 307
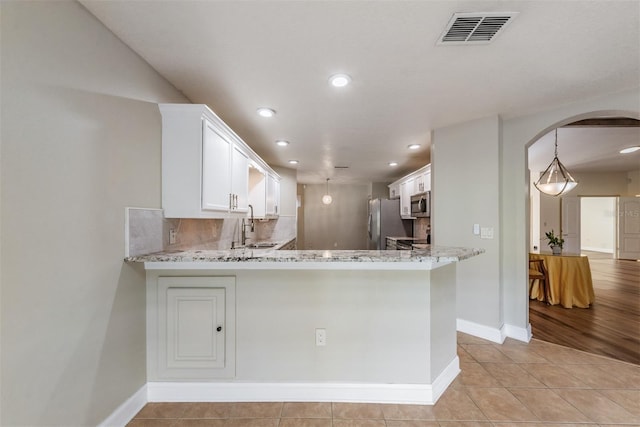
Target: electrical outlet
172, 236
321, 337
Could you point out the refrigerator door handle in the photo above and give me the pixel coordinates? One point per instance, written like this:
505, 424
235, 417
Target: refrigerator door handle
369, 227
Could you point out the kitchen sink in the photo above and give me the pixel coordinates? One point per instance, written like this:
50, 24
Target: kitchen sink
259, 245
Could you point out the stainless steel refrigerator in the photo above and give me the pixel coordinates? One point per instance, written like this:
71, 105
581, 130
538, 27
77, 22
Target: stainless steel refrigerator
385, 220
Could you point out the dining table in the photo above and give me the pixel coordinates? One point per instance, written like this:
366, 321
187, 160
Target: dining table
569, 280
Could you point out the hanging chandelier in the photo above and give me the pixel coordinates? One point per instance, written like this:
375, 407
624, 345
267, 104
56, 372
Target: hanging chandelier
556, 179
326, 199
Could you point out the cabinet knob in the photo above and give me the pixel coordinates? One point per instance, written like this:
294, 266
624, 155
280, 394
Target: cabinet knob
219, 328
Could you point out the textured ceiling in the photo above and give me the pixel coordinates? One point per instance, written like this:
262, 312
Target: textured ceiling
236, 56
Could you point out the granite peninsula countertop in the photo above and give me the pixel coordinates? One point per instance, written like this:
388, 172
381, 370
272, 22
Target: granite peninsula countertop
435, 255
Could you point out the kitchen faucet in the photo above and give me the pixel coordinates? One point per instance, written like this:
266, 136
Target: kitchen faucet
244, 229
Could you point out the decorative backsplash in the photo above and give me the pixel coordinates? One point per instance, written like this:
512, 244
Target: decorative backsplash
421, 227
148, 232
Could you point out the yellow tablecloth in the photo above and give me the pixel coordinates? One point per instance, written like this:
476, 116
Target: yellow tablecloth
569, 280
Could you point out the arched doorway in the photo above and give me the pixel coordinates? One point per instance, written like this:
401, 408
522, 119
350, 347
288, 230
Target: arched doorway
584, 328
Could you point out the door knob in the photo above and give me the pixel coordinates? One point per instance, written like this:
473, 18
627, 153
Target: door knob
219, 328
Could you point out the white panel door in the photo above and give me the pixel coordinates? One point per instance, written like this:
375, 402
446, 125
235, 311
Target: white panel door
628, 246
273, 195
195, 328
240, 180
570, 224
406, 189
216, 172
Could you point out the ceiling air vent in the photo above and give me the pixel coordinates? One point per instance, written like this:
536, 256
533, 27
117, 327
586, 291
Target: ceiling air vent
474, 27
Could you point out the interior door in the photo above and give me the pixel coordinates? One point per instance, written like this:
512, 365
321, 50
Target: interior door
628, 233
570, 224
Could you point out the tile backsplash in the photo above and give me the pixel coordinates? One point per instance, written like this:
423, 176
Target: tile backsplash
421, 227
148, 232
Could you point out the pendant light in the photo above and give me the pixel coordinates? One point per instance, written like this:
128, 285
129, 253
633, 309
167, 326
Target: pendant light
556, 179
326, 199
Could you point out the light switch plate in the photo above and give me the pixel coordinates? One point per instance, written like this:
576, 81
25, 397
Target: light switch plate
486, 233
476, 229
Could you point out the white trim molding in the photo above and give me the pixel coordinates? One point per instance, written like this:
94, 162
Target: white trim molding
517, 333
125, 412
494, 334
425, 394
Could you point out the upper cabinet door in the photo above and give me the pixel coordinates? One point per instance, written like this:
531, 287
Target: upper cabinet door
216, 172
273, 195
406, 190
239, 180
426, 179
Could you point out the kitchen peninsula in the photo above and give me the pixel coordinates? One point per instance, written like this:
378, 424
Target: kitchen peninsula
274, 325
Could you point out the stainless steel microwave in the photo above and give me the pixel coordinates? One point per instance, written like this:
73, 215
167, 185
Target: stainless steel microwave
421, 205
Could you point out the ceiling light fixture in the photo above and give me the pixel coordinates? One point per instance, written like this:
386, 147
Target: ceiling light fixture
413, 146
266, 112
282, 143
293, 162
630, 149
340, 80
393, 163
327, 199
556, 179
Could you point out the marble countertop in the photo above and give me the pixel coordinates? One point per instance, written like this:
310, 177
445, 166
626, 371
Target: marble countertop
410, 239
433, 255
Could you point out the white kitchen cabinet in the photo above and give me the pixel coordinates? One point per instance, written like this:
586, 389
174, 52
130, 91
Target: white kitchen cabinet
240, 180
216, 171
205, 165
426, 179
422, 181
264, 193
273, 195
406, 190
192, 332
418, 185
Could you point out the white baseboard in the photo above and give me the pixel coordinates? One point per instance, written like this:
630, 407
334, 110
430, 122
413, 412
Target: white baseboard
517, 333
425, 394
444, 380
480, 331
594, 249
125, 412
494, 334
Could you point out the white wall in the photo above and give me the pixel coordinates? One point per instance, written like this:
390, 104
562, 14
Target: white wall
468, 194
601, 184
597, 224
589, 184
340, 225
80, 141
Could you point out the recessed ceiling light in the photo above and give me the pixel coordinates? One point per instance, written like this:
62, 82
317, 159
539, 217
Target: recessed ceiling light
282, 143
293, 162
630, 149
266, 112
393, 163
340, 80
413, 146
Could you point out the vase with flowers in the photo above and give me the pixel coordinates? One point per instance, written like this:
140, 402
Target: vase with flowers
555, 242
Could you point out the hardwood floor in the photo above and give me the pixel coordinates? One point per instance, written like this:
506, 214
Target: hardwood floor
611, 327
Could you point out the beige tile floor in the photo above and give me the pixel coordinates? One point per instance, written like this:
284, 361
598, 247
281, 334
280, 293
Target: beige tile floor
513, 384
